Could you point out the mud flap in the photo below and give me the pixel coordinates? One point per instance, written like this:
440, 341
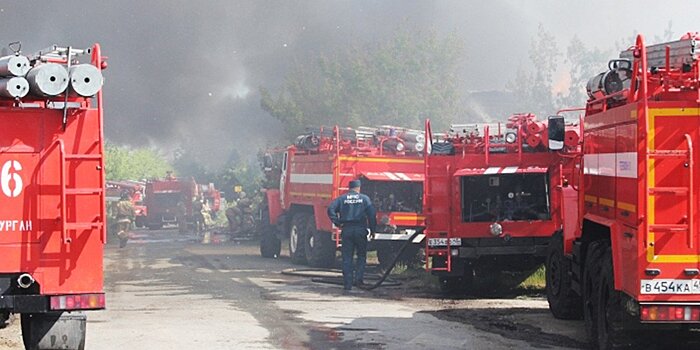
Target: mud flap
54, 331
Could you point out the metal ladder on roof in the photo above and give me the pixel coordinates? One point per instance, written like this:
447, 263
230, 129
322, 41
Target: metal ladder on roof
653, 190
65, 192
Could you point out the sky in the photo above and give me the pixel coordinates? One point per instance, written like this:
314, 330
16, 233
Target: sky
188, 72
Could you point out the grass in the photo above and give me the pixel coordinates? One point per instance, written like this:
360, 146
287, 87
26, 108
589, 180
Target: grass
536, 281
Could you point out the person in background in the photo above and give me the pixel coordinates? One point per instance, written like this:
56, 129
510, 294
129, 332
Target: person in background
125, 215
354, 213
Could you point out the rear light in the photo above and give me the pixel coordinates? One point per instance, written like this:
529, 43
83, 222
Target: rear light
77, 302
670, 313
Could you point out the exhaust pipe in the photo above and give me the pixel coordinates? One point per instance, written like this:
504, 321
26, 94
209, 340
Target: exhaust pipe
25, 280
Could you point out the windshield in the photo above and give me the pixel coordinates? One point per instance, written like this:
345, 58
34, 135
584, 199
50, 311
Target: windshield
515, 197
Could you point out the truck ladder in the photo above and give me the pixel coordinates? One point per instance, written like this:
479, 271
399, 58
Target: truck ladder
653, 190
680, 52
66, 191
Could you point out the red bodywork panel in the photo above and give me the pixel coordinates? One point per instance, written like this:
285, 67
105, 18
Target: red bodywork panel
640, 177
313, 179
52, 212
476, 158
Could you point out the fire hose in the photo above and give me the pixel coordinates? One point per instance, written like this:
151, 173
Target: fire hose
380, 279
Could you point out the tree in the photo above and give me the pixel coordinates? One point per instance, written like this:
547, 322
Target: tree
533, 88
126, 163
401, 81
584, 63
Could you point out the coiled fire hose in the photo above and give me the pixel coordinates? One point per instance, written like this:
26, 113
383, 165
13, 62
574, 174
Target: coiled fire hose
315, 274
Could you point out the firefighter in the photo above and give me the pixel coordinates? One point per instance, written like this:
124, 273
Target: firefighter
354, 213
182, 215
125, 215
197, 209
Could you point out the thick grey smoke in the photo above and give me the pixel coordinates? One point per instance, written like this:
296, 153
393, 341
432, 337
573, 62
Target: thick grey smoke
189, 71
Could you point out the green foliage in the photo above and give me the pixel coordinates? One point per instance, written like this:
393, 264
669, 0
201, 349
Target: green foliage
400, 81
533, 88
237, 170
126, 163
584, 63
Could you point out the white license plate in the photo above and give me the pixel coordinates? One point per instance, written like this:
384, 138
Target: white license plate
666, 286
443, 242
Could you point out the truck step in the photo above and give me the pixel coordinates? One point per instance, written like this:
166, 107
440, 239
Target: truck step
669, 190
668, 227
83, 191
83, 225
83, 156
668, 154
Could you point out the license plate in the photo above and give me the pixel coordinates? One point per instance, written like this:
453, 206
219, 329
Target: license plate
666, 286
443, 241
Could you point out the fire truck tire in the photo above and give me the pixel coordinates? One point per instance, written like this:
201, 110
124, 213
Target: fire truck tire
53, 331
610, 310
590, 284
296, 238
270, 245
564, 302
319, 246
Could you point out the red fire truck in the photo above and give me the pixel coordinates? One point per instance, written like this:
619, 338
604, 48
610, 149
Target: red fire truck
165, 197
631, 261
135, 189
52, 211
493, 198
318, 167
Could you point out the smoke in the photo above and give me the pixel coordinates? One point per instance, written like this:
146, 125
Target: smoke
188, 72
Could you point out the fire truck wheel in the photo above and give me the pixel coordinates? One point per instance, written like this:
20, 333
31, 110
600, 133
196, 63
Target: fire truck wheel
610, 311
591, 282
319, 246
296, 238
270, 245
40, 331
564, 303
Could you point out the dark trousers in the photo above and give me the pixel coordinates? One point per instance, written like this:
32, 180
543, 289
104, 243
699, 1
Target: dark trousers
354, 240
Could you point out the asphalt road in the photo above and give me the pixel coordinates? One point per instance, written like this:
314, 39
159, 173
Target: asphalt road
169, 291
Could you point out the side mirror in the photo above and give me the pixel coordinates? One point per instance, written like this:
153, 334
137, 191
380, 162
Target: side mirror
267, 162
556, 128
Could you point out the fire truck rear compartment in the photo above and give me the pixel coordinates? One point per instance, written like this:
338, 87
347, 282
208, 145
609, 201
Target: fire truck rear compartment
498, 197
394, 196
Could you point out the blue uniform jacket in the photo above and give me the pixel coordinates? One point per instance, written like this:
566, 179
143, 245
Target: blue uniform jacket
355, 209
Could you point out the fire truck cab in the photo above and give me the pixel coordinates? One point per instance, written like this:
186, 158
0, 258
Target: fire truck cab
631, 264
494, 195
318, 168
52, 193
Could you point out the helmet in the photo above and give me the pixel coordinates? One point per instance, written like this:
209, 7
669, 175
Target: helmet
125, 195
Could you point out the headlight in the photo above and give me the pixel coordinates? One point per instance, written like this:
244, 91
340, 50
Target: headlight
496, 229
399, 147
511, 137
